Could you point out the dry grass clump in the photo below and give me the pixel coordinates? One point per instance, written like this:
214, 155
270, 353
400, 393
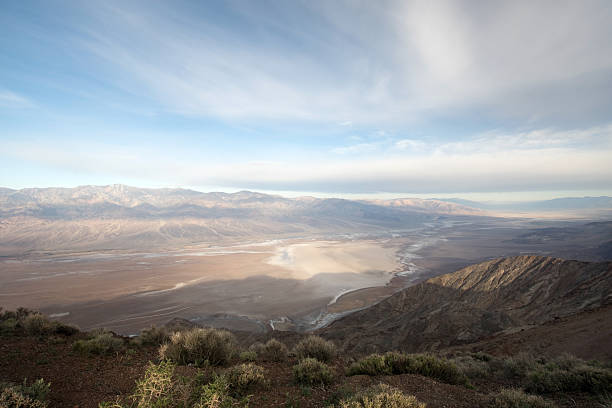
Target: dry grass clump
198, 346
381, 396
316, 347
155, 389
244, 377
102, 343
154, 336
23, 395
514, 398
160, 388
310, 371
427, 365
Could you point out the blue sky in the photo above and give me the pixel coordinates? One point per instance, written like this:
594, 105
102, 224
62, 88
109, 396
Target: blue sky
354, 98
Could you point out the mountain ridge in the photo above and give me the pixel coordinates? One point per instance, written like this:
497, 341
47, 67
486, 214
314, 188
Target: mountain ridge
475, 302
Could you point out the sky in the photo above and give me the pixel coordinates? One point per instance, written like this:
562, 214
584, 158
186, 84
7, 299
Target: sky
508, 100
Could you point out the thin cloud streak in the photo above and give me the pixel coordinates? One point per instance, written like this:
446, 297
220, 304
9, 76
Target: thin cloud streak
519, 162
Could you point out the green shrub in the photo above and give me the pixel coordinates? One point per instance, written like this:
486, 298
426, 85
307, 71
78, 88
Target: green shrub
23, 395
216, 394
374, 364
310, 371
381, 396
316, 347
244, 377
198, 346
513, 398
100, 344
154, 336
155, 389
426, 365
248, 356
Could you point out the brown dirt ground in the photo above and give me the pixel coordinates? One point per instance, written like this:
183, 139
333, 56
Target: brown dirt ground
84, 381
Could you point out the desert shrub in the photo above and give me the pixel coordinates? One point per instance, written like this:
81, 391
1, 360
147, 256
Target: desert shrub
257, 348
23, 395
274, 350
552, 378
103, 343
154, 336
426, 365
198, 346
36, 324
374, 364
472, 367
8, 326
310, 371
155, 389
381, 396
513, 398
316, 347
243, 377
519, 365
66, 329
247, 356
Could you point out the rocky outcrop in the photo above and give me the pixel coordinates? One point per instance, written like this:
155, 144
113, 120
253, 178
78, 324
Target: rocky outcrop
475, 302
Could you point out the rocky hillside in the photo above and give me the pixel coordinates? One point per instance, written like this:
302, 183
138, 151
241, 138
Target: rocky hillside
461, 307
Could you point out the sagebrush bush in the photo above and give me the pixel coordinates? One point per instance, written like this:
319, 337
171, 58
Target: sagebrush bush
310, 371
381, 396
103, 343
200, 346
426, 365
316, 347
153, 336
244, 377
514, 398
23, 395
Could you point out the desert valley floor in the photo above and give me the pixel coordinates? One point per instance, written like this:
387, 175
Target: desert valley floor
273, 283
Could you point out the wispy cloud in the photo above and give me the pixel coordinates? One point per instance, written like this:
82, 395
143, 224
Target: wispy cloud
428, 58
10, 99
506, 165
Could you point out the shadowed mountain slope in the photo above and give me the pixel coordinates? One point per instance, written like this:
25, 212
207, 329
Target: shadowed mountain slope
475, 302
